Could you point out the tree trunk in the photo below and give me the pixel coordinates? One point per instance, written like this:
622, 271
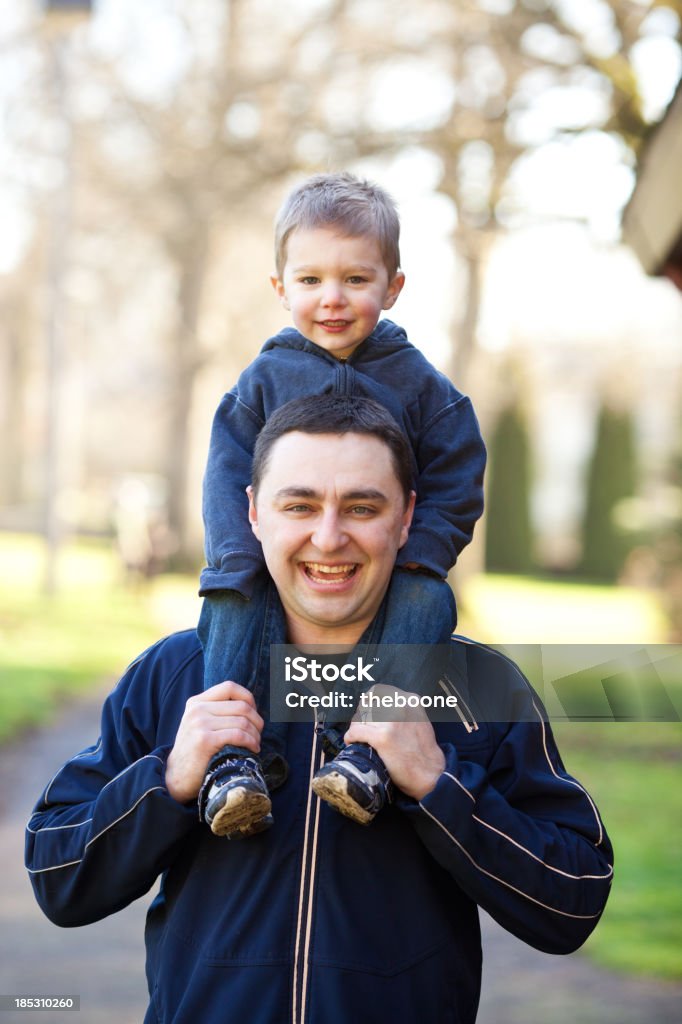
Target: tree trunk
187, 360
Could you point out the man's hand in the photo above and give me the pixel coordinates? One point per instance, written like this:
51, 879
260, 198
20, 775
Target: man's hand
409, 749
225, 713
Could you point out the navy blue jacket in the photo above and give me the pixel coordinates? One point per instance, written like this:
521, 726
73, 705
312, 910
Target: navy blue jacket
449, 454
319, 919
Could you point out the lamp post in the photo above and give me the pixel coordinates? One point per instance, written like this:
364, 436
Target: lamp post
60, 17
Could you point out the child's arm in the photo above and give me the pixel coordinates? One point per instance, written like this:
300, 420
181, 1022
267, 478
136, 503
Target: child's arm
451, 460
234, 556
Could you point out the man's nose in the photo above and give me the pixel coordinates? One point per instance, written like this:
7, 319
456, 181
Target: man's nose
329, 534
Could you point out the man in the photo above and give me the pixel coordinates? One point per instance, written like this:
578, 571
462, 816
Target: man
320, 919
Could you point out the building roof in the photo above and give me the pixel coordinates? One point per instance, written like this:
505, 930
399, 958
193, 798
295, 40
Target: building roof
652, 220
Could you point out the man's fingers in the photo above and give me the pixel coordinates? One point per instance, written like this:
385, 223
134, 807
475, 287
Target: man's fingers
224, 691
221, 701
233, 709
361, 732
409, 750
223, 715
238, 736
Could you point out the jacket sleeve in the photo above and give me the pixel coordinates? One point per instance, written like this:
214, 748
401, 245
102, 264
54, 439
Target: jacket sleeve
233, 554
451, 460
106, 826
521, 838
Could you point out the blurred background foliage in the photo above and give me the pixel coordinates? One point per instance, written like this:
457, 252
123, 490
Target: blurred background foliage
145, 150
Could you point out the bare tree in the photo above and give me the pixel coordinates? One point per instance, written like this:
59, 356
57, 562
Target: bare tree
280, 90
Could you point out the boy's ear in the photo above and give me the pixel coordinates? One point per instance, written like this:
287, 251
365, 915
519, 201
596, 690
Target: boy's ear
253, 514
278, 285
394, 289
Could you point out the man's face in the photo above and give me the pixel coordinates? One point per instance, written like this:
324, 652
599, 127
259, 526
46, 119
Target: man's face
331, 516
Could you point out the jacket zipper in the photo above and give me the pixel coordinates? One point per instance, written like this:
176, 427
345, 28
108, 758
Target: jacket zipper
307, 885
462, 708
343, 379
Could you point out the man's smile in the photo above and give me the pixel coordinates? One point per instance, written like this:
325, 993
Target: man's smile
318, 572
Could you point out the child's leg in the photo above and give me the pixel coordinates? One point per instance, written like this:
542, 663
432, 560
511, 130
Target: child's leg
235, 634
418, 609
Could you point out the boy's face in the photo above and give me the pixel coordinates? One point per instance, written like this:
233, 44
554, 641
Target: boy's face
335, 287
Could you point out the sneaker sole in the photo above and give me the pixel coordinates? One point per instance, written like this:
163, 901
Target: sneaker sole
333, 788
262, 825
241, 810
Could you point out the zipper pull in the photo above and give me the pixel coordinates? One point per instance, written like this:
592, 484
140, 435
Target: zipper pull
320, 718
463, 710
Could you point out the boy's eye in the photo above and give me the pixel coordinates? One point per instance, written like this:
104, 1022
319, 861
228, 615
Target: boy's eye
310, 280
357, 279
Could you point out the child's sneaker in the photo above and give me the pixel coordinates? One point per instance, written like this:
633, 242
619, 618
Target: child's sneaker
356, 783
237, 803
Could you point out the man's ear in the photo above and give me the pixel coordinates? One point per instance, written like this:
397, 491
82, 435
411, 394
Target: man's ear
278, 285
253, 514
407, 518
394, 289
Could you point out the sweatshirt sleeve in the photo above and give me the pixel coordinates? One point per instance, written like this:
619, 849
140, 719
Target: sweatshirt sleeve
233, 554
106, 826
521, 838
451, 460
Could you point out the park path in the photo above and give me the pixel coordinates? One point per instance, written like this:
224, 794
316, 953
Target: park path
104, 962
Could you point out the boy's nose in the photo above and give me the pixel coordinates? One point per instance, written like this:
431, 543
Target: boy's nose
332, 296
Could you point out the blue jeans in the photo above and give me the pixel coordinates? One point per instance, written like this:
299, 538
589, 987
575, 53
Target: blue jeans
236, 634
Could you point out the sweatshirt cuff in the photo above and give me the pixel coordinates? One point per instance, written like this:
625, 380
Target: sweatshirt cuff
235, 572
427, 549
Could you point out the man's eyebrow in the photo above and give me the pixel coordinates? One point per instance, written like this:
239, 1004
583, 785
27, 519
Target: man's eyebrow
365, 494
358, 494
296, 492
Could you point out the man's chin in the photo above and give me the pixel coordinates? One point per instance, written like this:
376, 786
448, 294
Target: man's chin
331, 611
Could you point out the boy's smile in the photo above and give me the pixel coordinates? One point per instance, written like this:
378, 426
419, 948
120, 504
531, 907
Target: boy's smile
335, 287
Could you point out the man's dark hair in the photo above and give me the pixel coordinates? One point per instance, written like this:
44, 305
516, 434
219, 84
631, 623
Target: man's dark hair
335, 414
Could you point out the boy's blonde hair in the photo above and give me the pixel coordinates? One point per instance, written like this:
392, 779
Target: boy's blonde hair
354, 206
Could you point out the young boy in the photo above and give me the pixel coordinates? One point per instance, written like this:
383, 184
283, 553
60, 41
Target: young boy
337, 268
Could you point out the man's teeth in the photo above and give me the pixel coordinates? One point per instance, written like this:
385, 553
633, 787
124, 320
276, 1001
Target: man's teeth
318, 571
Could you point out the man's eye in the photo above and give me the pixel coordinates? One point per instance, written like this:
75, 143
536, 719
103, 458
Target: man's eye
362, 510
297, 508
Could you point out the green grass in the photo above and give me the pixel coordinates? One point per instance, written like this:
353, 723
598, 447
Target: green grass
517, 609
52, 648
633, 770
634, 773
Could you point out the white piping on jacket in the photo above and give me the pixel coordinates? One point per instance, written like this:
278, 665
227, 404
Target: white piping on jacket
71, 863
507, 885
504, 835
312, 809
